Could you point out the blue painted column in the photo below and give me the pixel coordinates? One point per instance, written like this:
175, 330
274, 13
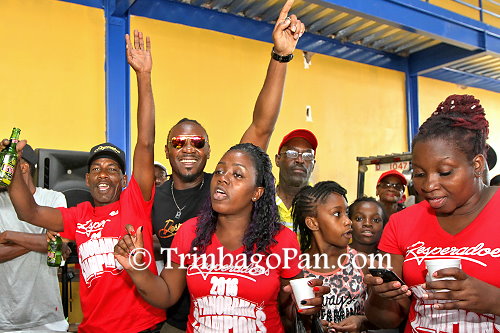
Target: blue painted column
117, 79
411, 88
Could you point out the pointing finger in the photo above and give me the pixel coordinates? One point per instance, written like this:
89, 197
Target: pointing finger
284, 11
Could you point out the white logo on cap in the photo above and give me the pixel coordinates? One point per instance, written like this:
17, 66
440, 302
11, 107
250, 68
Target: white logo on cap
100, 148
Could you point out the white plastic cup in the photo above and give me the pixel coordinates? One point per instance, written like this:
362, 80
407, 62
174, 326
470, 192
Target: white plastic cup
434, 265
302, 291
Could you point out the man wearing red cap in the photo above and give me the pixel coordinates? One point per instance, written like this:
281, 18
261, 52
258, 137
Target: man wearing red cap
390, 189
295, 159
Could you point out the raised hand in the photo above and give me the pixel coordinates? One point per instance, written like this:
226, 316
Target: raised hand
465, 292
126, 247
138, 55
287, 31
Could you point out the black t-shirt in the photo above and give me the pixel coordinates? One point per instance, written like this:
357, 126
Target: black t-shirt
166, 222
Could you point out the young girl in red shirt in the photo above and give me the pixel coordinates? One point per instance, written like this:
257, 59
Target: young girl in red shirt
320, 217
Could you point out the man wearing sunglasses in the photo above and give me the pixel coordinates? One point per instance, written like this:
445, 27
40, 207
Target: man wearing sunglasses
390, 189
187, 149
295, 159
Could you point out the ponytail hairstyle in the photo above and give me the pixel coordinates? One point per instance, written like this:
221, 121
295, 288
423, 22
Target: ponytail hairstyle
305, 205
461, 120
264, 222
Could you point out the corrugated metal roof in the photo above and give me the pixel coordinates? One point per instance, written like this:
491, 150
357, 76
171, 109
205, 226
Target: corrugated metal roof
422, 37
327, 22
346, 27
487, 65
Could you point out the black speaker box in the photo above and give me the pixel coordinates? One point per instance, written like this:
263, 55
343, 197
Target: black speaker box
64, 171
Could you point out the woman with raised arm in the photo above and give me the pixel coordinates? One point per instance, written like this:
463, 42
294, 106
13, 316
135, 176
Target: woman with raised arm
188, 149
457, 220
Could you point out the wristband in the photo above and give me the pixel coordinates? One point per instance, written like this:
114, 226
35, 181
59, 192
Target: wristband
280, 58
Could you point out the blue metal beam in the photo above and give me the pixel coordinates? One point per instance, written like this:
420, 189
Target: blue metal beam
122, 7
465, 79
465, 37
117, 81
423, 18
198, 17
438, 56
412, 121
181, 13
89, 3
492, 40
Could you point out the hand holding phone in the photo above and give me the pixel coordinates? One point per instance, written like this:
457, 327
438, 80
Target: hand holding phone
386, 275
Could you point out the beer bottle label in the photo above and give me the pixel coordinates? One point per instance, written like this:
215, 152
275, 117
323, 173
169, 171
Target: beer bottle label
8, 159
7, 170
54, 253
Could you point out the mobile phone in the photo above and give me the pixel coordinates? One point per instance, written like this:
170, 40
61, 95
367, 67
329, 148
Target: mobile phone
386, 274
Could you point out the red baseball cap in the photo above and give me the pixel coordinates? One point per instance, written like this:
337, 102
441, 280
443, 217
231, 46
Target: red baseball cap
394, 173
300, 133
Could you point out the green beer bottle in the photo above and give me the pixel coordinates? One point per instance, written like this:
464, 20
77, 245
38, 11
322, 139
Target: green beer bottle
54, 253
8, 159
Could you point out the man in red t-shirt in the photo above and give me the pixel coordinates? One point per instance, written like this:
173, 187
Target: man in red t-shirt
110, 301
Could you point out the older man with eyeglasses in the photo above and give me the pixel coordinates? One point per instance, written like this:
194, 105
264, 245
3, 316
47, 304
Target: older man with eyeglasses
390, 190
295, 159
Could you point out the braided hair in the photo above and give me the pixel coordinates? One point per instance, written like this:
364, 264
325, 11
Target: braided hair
358, 201
305, 205
460, 119
264, 223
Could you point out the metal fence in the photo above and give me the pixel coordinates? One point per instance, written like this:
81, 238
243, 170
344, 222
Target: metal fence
480, 7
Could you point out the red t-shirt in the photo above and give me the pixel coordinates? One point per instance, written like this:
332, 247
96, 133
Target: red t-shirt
416, 234
236, 297
110, 301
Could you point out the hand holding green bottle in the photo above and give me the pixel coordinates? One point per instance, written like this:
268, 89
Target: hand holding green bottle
9, 158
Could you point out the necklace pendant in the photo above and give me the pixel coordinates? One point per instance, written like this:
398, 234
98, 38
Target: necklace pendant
178, 214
